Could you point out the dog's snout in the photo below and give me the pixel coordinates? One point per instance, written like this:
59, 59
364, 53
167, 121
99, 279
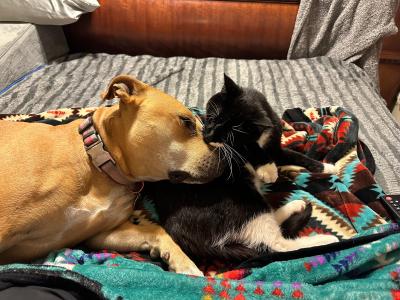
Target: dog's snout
178, 176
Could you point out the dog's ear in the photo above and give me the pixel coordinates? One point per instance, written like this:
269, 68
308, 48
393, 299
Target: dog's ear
124, 87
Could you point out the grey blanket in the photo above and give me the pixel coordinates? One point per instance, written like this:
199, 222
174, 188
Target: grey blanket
349, 30
78, 80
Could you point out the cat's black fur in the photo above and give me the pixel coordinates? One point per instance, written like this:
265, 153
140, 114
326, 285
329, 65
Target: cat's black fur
196, 216
246, 113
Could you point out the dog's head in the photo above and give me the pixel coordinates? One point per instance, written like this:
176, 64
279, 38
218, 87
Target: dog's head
154, 137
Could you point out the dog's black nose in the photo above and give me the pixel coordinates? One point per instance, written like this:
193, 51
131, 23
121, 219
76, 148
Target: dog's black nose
178, 176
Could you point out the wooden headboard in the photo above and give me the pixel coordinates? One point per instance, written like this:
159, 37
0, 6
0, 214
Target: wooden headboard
196, 28
203, 28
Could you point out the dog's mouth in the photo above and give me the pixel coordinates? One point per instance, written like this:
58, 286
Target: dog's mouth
198, 172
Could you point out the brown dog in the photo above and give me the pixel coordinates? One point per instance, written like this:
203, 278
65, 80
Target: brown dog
52, 196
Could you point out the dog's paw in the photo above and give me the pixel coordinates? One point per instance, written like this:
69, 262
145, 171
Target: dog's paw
267, 173
330, 169
187, 270
176, 259
184, 266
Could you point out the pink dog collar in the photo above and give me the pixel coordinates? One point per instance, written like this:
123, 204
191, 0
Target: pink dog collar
100, 157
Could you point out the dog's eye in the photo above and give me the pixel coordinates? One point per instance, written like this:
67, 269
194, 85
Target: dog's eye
189, 124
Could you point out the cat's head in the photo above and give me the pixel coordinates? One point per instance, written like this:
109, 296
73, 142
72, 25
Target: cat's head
235, 116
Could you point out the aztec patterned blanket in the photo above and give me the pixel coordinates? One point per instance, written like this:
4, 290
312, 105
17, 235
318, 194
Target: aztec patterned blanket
366, 264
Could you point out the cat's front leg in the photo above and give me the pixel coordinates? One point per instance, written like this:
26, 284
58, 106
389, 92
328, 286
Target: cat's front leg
264, 165
267, 173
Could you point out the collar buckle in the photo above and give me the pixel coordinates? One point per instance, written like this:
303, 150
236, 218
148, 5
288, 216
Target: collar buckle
98, 155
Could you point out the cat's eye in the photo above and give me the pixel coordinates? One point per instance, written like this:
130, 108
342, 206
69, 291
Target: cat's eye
189, 123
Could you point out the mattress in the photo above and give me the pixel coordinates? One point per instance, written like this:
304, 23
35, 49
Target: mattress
25, 46
78, 80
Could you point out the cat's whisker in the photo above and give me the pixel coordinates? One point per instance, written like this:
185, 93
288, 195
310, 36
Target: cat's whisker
229, 148
214, 109
224, 154
235, 152
230, 137
236, 126
233, 138
235, 160
228, 158
238, 159
219, 156
227, 155
238, 130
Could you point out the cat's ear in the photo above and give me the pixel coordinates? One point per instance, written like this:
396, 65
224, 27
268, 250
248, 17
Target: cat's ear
230, 87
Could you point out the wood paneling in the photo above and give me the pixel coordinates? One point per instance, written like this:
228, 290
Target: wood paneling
186, 27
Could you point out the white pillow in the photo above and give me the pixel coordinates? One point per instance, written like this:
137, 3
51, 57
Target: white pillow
45, 12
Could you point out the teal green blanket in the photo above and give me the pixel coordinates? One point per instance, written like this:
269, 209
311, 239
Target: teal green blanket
368, 271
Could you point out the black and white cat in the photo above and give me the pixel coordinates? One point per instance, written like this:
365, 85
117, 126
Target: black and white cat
230, 218
241, 118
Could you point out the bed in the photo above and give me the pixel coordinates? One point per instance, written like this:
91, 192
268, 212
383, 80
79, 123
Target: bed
76, 80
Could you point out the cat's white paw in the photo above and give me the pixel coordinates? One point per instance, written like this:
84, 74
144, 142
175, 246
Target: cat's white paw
267, 173
296, 206
284, 212
330, 169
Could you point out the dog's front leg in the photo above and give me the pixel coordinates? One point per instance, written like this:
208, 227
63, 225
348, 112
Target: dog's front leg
131, 237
